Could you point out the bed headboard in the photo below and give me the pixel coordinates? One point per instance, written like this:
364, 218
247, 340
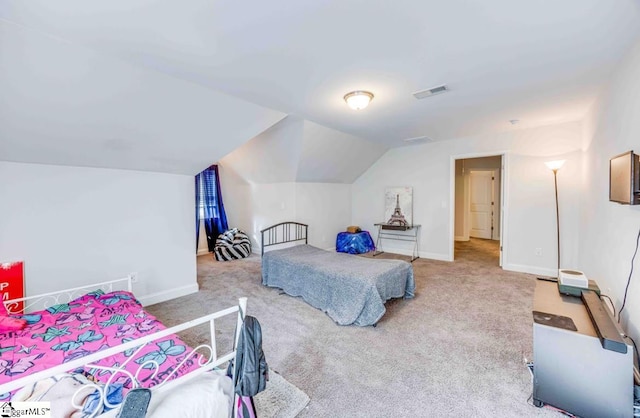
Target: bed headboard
282, 233
42, 301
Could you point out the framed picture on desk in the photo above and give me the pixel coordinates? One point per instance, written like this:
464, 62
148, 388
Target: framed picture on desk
398, 206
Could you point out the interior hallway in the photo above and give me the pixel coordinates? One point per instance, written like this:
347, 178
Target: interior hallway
485, 251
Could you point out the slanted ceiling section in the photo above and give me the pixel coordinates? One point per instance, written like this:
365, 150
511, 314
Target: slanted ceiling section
297, 150
62, 103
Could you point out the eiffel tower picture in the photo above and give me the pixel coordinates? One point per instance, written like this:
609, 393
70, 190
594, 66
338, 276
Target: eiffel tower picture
397, 217
398, 206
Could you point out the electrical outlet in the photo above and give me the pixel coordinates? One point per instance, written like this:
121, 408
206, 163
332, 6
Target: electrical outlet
539, 252
134, 277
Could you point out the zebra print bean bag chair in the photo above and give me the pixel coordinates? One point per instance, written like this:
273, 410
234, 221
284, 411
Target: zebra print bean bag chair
232, 245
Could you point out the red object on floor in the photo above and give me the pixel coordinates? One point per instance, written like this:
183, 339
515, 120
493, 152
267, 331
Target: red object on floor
12, 282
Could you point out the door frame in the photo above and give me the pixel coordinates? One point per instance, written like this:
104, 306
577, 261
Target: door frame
497, 190
504, 209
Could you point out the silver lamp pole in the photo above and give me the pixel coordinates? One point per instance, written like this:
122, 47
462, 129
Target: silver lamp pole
555, 166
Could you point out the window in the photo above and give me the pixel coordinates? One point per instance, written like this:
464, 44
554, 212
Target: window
201, 197
209, 207
207, 194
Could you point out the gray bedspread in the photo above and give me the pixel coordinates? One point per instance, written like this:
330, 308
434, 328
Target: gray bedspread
349, 288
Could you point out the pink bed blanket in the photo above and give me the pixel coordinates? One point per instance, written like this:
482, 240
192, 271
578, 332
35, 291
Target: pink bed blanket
85, 325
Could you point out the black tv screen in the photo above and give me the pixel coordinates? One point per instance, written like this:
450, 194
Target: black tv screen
624, 179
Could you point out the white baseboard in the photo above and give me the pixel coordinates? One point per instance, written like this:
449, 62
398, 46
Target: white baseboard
422, 254
168, 294
539, 271
434, 256
461, 238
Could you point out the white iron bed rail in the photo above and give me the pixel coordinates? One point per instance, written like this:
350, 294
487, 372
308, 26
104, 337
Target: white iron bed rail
44, 300
206, 362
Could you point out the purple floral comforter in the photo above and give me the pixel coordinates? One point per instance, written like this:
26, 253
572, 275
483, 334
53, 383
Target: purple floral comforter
85, 325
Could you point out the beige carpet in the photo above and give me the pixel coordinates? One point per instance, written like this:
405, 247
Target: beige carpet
280, 399
455, 350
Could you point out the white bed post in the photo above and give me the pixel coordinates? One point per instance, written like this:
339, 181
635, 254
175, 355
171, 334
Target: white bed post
242, 304
214, 348
130, 283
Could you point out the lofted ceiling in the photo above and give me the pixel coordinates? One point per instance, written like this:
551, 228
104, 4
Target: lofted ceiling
64, 104
297, 150
169, 85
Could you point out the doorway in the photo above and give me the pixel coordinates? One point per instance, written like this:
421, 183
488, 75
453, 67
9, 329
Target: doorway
478, 207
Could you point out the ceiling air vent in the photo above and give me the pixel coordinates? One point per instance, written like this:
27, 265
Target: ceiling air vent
430, 92
417, 140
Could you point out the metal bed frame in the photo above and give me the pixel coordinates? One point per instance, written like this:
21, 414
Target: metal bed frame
282, 233
42, 301
209, 356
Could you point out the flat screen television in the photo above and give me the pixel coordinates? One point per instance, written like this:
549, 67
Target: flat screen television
624, 179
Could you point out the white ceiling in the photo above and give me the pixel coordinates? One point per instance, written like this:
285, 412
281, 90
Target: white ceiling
296, 150
64, 104
142, 62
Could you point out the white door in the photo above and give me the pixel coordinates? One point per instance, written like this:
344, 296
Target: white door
480, 203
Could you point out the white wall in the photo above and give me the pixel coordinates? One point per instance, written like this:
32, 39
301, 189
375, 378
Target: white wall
270, 204
529, 193
73, 226
609, 230
325, 207
236, 195
203, 248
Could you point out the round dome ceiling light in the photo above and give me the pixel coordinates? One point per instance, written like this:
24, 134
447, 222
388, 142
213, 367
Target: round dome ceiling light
359, 99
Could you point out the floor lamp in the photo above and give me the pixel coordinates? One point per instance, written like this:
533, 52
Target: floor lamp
555, 166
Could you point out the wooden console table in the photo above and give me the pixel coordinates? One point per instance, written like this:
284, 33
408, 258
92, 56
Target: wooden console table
386, 231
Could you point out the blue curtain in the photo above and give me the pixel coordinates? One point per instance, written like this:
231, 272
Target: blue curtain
209, 206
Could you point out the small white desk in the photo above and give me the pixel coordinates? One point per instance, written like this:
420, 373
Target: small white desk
392, 232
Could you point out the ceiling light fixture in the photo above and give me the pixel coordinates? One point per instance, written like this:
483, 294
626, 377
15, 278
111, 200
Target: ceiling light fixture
359, 99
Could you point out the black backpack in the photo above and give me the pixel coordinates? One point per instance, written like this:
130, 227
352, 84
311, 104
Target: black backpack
252, 370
